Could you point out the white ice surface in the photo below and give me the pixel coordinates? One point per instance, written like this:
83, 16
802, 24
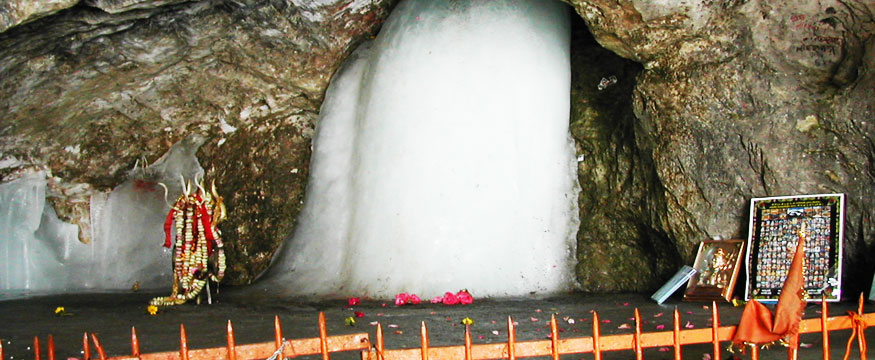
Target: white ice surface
40, 254
442, 159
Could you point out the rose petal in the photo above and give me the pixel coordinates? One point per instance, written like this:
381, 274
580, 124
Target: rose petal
494, 332
660, 327
658, 315
664, 349
689, 325
533, 319
624, 326
393, 326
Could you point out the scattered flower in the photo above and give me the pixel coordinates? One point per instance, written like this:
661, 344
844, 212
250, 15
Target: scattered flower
805, 345
625, 304
537, 310
393, 326
533, 319
689, 325
705, 307
494, 332
379, 314
706, 356
658, 314
401, 299
624, 326
374, 323
606, 321
399, 332
660, 327
350, 321
437, 300
359, 314
152, 309
481, 337
414, 299
354, 301
664, 349
60, 311
450, 299
467, 321
570, 321
464, 297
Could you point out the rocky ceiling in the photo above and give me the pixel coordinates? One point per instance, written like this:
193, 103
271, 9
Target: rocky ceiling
717, 101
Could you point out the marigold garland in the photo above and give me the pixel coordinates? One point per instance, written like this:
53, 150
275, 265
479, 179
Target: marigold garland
198, 243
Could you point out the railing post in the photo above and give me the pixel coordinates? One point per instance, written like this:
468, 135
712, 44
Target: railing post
715, 324
596, 337
86, 350
278, 334
50, 348
36, 354
554, 337
100, 353
861, 335
183, 343
467, 343
380, 345
639, 354
824, 331
323, 336
135, 343
423, 341
676, 334
232, 347
511, 339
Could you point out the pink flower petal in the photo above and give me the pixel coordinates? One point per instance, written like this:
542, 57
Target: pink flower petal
624, 326
533, 319
464, 297
658, 315
354, 301
660, 327
664, 349
689, 325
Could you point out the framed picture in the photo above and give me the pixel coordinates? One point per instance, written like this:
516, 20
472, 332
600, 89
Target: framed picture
774, 232
717, 265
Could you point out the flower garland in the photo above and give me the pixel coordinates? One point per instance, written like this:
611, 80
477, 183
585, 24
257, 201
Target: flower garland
194, 218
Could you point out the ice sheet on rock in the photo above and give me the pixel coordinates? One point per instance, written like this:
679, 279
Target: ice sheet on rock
41, 254
442, 159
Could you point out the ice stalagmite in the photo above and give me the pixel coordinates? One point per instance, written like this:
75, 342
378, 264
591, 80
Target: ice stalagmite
442, 159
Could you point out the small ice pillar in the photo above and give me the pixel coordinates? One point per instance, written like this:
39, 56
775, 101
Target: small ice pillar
442, 159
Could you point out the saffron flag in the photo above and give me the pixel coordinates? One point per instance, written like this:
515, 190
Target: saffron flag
757, 326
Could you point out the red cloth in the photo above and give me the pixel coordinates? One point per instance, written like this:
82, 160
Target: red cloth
757, 326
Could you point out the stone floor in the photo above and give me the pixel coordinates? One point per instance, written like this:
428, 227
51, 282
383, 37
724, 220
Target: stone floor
111, 317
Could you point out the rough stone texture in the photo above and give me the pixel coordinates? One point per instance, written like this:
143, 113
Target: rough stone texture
14, 12
744, 99
87, 95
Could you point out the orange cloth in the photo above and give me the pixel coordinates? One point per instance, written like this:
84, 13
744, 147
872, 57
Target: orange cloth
757, 326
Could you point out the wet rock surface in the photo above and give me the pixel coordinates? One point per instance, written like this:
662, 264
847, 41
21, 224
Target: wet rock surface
111, 317
737, 99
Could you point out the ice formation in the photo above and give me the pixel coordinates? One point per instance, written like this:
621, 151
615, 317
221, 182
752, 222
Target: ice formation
40, 254
442, 159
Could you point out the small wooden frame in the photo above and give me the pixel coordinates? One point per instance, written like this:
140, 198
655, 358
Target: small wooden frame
717, 265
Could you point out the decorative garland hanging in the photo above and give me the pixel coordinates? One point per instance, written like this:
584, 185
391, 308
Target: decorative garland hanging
199, 256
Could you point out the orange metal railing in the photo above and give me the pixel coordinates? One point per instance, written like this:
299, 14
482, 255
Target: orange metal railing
512, 349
